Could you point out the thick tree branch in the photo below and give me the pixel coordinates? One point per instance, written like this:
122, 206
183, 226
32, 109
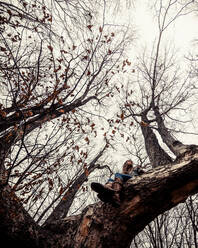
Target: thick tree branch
173, 144
167, 138
146, 197
157, 155
101, 225
64, 205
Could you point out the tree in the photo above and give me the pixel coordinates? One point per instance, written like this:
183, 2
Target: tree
174, 228
50, 90
158, 76
98, 223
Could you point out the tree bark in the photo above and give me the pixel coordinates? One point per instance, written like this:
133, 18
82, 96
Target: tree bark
101, 225
157, 155
167, 138
16, 225
64, 205
177, 147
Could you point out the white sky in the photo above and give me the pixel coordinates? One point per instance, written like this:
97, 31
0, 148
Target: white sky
182, 32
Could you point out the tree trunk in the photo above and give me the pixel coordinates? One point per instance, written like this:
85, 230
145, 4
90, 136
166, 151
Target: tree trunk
173, 144
167, 138
157, 155
16, 225
64, 205
101, 225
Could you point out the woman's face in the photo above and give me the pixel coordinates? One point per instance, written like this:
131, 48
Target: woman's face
127, 167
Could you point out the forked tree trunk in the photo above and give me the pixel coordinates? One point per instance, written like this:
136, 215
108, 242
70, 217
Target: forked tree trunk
156, 154
101, 225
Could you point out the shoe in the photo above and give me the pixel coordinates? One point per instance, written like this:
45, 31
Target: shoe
99, 188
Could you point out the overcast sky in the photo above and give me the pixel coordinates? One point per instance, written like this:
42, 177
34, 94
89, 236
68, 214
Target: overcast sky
180, 33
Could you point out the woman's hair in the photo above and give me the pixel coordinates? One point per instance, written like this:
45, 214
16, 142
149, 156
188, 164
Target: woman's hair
128, 166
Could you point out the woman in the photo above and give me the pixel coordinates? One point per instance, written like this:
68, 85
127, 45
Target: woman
111, 191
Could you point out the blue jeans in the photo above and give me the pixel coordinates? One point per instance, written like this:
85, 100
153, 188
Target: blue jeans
123, 177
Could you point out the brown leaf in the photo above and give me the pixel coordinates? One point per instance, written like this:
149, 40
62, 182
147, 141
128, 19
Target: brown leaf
122, 116
85, 57
86, 171
3, 49
61, 190
50, 182
30, 113
60, 101
87, 140
61, 110
89, 27
93, 125
57, 69
50, 48
24, 4
77, 148
144, 124
9, 12
128, 63
3, 113
74, 47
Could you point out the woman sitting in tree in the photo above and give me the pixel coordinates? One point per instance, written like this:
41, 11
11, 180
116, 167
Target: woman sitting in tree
111, 191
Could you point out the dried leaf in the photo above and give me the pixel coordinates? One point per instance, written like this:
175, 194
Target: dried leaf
89, 27
51, 184
87, 140
144, 124
86, 171
93, 125
85, 57
30, 113
3, 49
3, 113
60, 101
50, 48
122, 116
61, 190
74, 47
